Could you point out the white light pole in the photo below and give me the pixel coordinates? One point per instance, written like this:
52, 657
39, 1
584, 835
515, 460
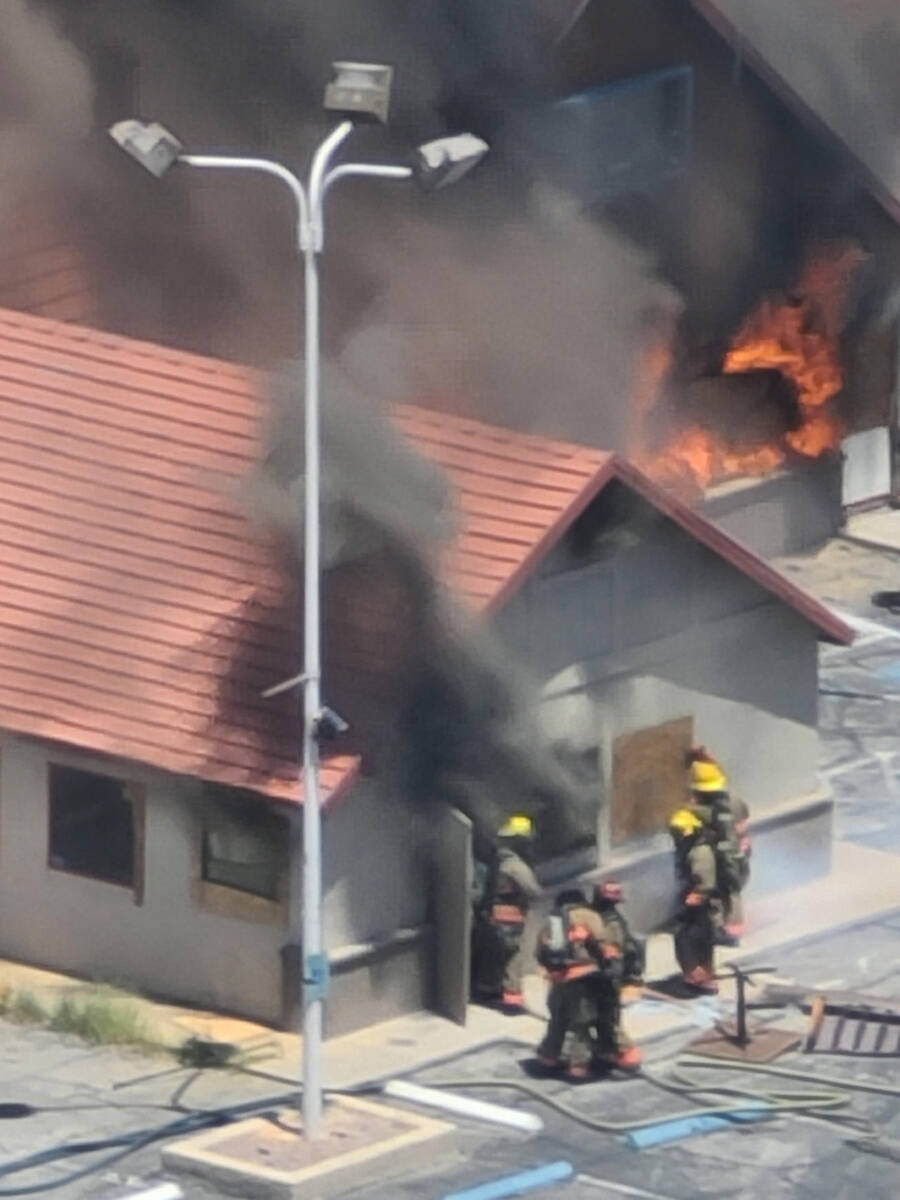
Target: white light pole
362, 90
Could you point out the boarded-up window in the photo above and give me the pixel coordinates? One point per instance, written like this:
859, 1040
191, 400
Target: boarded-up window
649, 778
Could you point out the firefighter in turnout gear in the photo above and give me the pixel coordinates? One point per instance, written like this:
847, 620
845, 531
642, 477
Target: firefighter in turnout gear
729, 818
695, 870
581, 961
607, 898
509, 887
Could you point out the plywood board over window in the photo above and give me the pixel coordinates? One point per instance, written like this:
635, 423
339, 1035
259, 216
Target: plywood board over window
649, 778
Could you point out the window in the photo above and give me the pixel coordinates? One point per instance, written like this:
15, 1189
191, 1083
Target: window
94, 826
245, 845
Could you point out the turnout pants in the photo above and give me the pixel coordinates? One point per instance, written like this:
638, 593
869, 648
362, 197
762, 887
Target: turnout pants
694, 939
573, 1019
611, 1037
497, 958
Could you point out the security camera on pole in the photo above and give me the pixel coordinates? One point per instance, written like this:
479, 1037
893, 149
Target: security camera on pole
359, 92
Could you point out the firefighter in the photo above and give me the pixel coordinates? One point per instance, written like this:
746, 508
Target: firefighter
729, 817
509, 887
607, 898
695, 869
575, 951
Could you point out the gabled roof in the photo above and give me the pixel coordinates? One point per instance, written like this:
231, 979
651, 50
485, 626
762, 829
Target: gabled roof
140, 617
834, 62
519, 492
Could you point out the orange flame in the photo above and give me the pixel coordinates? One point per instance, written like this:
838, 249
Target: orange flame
797, 335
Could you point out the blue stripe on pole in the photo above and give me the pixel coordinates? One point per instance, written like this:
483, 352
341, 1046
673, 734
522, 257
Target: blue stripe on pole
516, 1185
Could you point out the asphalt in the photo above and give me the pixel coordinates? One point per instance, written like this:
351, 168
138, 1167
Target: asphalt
849, 938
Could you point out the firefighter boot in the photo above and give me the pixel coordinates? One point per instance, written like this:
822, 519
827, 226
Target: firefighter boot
628, 1059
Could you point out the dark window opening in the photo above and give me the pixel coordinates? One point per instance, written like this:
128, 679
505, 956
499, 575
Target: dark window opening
92, 826
245, 846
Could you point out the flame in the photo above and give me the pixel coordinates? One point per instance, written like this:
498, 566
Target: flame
798, 335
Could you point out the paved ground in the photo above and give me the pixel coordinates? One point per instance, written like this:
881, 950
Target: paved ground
789, 1157
101, 1092
859, 705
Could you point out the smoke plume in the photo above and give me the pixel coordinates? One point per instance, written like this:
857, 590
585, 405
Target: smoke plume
525, 313
46, 95
410, 669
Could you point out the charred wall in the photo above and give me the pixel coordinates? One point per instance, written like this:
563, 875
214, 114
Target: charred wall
761, 189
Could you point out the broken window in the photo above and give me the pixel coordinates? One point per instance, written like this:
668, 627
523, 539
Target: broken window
93, 826
245, 845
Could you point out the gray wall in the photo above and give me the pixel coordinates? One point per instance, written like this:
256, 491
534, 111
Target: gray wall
658, 627
374, 872
785, 513
170, 945
166, 946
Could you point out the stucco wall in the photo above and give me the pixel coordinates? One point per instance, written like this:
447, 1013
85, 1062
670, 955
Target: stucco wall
375, 878
170, 945
657, 628
167, 945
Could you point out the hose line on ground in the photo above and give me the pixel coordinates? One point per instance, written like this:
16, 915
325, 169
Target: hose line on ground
124, 1144
878, 1089
782, 1103
816, 1104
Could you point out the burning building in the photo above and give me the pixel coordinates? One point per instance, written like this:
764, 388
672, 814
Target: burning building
663, 256
151, 792
668, 166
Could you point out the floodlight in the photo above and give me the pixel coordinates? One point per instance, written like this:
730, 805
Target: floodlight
150, 144
360, 91
446, 160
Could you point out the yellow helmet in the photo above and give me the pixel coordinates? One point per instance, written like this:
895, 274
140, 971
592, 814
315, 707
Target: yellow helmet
708, 777
685, 822
518, 825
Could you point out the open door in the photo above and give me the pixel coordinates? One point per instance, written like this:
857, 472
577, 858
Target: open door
453, 866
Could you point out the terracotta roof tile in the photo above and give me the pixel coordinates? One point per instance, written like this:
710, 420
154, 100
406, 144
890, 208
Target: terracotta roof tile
139, 615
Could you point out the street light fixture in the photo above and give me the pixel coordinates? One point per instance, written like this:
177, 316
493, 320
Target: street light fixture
361, 91
442, 162
152, 145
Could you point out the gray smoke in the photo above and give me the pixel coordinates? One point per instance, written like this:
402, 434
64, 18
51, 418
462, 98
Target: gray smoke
375, 488
527, 314
46, 94
538, 322
403, 660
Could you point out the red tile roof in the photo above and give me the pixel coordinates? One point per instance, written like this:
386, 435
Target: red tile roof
140, 617
519, 492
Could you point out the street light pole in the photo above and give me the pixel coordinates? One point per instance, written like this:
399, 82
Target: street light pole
309, 203
363, 90
315, 963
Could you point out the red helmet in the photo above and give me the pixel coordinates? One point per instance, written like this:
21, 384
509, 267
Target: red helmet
610, 891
